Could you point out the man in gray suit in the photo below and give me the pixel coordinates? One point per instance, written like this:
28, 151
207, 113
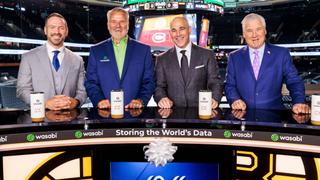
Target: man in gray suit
53, 69
184, 70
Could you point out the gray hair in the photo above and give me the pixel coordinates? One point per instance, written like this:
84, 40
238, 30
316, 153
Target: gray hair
253, 16
117, 9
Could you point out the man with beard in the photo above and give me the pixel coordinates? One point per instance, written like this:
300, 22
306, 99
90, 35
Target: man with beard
53, 69
120, 63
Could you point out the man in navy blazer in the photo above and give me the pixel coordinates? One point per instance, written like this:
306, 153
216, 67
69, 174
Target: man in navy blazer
256, 72
120, 63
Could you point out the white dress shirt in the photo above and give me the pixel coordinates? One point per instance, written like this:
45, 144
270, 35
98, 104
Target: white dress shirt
50, 50
260, 53
187, 53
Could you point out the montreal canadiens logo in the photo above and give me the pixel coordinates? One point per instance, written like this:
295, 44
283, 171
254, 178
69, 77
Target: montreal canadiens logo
159, 37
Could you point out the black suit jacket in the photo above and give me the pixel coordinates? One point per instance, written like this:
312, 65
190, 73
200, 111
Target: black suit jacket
203, 75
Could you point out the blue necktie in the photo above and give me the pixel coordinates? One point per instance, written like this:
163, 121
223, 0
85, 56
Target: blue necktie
55, 60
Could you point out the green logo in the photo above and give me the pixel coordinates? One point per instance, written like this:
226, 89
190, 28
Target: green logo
31, 137
78, 134
274, 137
227, 134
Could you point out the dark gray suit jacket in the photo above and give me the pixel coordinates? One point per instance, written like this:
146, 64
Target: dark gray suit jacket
35, 75
203, 75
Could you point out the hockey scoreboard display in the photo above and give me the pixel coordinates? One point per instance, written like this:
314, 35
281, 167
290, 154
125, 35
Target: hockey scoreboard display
149, 5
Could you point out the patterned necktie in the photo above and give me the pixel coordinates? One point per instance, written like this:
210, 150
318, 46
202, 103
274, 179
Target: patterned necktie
256, 63
184, 65
55, 60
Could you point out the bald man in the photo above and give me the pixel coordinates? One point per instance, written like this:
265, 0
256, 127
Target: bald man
184, 70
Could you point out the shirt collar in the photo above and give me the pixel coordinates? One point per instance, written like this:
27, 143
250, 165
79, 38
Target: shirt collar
51, 48
260, 50
187, 48
122, 41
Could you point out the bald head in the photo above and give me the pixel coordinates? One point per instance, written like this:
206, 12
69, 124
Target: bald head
180, 19
180, 31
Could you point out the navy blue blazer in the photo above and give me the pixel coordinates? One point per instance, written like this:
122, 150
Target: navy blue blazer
137, 79
265, 92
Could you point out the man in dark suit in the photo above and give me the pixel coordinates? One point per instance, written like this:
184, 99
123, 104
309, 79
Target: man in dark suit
53, 69
120, 63
184, 70
255, 73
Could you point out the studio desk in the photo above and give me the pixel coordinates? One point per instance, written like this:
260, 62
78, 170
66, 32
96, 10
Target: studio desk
88, 144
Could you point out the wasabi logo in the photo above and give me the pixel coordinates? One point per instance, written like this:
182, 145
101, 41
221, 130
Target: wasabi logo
93, 133
31, 137
291, 138
274, 137
78, 134
227, 134
47, 136
242, 135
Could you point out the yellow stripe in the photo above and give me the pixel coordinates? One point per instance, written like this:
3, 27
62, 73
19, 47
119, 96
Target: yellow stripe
87, 170
317, 123
316, 161
42, 163
279, 177
255, 161
270, 168
45, 178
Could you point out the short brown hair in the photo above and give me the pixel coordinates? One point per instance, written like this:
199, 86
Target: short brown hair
55, 15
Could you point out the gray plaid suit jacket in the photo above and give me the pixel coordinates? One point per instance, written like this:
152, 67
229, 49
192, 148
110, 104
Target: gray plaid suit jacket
203, 75
35, 75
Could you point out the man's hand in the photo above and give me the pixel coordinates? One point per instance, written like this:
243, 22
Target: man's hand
301, 118
214, 104
239, 104
135, 103
239, 114
214, 113
104, 104
105, 113
134, 112
60, 102
301, 108
165, 112
165, 103
60, 116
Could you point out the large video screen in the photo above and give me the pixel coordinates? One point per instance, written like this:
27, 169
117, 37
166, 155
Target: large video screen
176, 170
154, 30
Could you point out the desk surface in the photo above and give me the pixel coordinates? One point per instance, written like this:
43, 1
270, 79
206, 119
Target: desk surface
178, 117
278, 129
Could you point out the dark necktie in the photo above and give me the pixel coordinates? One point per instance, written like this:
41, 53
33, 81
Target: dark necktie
184, 65
55, 60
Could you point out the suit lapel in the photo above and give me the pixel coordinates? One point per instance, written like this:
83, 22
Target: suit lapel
66, 65
265, 60
247, 61
174, 64
46, 64
193, 63
127, 57
110, 54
